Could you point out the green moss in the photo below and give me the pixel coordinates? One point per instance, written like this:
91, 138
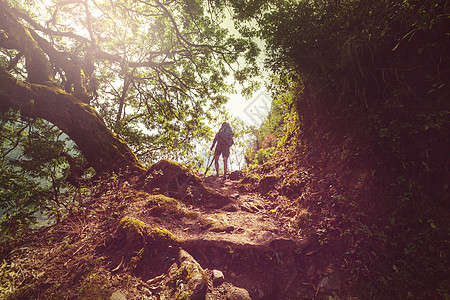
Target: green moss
191, 215
162, 236
161, 200
248, 182
162, 205
269, 177
250, 178
185, 294
132, 228
137, 258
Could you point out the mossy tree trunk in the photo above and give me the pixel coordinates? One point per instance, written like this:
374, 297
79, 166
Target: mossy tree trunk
104, 150
40, 96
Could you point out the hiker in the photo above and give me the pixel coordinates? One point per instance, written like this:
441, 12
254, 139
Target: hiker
224, 139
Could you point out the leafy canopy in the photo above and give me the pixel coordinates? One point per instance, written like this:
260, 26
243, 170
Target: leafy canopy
155, 70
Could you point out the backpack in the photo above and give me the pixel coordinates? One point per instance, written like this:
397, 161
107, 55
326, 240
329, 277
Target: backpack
226, 136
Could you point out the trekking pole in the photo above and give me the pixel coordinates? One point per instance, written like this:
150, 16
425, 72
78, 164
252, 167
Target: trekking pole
209, 163
231, 166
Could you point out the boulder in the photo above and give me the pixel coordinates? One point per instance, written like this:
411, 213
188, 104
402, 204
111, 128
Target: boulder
236, 293
186, 279
217, 277
170, 178
131, 233
267, 183
177, 181
236, 175
227, 291
230, 207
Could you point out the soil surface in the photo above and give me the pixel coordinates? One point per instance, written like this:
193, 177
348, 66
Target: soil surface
122, 243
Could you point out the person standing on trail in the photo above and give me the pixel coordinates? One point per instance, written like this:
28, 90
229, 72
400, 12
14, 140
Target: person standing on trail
224, 139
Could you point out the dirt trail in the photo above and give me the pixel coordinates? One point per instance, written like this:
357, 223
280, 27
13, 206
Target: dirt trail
244, 221
143, 245
244, 240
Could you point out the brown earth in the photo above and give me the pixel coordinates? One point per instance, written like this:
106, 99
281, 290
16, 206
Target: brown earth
167, 235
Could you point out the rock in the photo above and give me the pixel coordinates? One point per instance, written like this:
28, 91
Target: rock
235, 293
131, 233
223, 228
234, 196
217, 277
177, 181
188, 277
214, 199
118, 296
227, 291
207, 223
230, 207
236, 175
160, 205
169, 177
267, 183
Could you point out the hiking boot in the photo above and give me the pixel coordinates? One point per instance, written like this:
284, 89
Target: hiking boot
224, 177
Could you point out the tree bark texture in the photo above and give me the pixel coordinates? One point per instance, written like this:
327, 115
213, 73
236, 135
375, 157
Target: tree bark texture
104, 150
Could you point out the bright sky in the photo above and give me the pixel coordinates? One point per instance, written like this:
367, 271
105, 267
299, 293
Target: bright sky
252, 110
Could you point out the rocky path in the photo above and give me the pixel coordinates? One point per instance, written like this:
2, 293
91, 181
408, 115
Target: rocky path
241, 239
172, 236
244, 221
246, 242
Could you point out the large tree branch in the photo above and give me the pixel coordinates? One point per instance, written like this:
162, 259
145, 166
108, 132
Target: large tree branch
37, 65
48, 31
72, 68
104, 150
101, 54
180, 36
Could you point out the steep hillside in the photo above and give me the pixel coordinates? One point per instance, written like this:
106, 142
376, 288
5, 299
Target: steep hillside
342, 194
202, 238
310, 223
351, 216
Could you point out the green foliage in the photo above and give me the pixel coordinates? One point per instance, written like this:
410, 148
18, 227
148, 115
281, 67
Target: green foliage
155, 71
279, 125
33, 171
371, 74
353, 55
255, 159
